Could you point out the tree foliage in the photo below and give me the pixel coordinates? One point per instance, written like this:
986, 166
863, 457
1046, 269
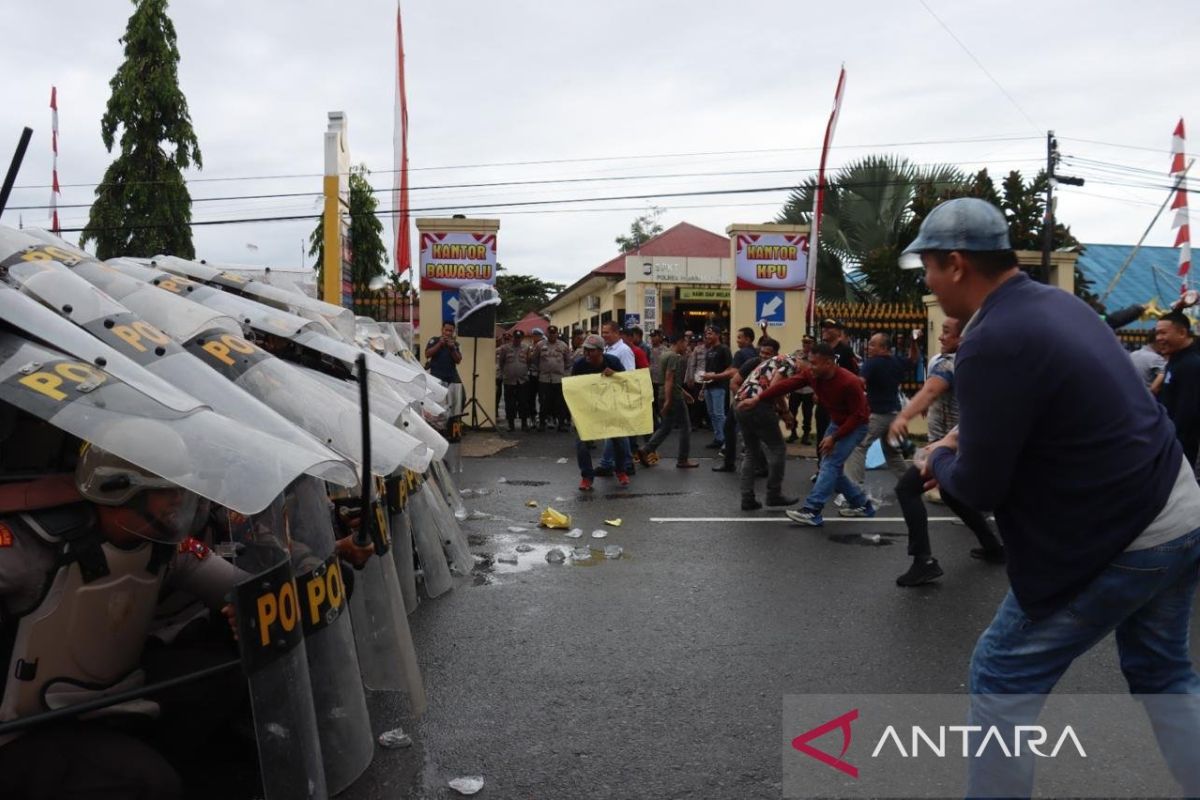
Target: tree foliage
142, 206
520, 294
642, 230
368, 253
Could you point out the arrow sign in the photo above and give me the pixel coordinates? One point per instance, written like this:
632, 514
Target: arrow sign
769, 308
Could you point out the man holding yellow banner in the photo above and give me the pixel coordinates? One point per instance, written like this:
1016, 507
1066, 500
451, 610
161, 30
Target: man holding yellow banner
606, 402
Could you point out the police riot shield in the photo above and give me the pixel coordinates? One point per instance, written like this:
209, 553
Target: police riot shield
58, 288
427, 540
449, 488
387, 657
269, 612
402, 540
199, 450
343, 724
454, 541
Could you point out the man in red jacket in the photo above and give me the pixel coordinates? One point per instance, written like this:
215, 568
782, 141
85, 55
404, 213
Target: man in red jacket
841, 393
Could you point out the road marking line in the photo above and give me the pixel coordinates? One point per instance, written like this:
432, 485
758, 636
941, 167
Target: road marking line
785, 519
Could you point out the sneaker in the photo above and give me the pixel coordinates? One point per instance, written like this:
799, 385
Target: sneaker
622, 479
648, 457
806, 516
920, 572
839, 500
749, 503
813, 478
724, 468
990, 555
585, 484
780, 500
861, 511
604, 472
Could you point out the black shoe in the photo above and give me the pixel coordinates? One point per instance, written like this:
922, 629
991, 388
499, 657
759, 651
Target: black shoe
813, 479
524, 425
511, 427
724, 468
780, 500
760, 473
714, 445
604, 472
921, 571
806, 440
990, 555
541, 427
792, 438
750, 504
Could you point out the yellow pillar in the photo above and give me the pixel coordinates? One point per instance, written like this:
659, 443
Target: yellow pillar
433, 296
336, 211
782, 274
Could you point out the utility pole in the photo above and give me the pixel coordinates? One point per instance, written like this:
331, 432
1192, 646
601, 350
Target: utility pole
1052, 180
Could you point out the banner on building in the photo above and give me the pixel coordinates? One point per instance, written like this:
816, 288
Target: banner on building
771, 260
453, 259
694, 294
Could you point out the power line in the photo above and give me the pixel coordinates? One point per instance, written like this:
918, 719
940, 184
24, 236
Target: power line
589, 159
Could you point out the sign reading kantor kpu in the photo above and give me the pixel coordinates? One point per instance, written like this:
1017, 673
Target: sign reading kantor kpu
771, 260
450, 259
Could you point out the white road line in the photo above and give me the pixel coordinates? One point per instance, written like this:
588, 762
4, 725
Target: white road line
785, 519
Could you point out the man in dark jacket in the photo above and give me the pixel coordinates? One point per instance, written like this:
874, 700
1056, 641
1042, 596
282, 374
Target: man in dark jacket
1180, 392
1093, 498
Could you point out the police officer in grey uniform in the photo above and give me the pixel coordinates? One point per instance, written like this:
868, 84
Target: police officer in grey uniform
79, 582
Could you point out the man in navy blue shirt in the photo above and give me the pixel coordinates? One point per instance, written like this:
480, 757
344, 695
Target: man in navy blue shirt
1093, 498
883, 371
1180, 391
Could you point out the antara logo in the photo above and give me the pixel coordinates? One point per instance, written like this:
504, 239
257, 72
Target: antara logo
801, 742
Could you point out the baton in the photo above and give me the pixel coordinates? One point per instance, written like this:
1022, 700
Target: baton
14, 167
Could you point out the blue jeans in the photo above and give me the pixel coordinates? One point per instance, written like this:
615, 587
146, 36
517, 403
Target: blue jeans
714, 401
584, 456
831, 478
1146, 597
606, 459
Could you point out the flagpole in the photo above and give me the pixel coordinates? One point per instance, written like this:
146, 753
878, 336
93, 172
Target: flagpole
402, 249
814, 238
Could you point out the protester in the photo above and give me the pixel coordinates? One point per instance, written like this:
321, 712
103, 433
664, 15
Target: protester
1180, 390
513, 369
729, 453
759, 424
615, 346
658, 350
696, 356
597, 362
833, 333
841, 393
674, 410
883, 372
937, 398
1094, 500
553, 357
717, 361
1149, 360
800, 402
442, 355
641, 358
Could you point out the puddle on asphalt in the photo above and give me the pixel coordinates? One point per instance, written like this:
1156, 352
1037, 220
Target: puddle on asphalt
528, 483
866, 539
504, 546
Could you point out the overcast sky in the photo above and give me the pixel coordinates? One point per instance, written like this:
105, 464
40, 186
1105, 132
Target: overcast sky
637, 90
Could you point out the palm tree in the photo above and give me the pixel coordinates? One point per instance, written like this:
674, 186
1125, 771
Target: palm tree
867, 221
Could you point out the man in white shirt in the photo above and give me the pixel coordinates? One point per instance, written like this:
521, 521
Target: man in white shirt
610, 332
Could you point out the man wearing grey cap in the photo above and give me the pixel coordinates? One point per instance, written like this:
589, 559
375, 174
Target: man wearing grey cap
1093, 497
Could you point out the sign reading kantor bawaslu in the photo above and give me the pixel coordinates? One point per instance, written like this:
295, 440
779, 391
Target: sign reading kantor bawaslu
452, 259
771, 260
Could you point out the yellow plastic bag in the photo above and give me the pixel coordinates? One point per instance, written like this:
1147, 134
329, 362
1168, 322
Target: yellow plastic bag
555, 519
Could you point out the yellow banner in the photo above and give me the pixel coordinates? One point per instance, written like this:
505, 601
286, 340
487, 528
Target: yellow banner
618, 405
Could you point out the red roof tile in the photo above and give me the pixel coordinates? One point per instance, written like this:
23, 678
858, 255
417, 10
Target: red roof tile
528, 322
681, 241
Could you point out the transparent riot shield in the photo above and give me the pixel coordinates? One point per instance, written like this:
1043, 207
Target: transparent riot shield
60, 289
445, 482
427, 540
454, 541
402, 541
347, 745
387, 657
270, 627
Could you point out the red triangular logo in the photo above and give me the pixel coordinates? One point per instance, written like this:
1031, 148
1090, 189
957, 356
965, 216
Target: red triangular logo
842, 723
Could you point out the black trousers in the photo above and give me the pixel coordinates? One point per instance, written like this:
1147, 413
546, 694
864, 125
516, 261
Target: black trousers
529, 397
803, 403
513, 403
554, 408
909, 489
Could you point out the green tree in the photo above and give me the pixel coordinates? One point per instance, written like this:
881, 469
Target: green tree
866, 219
142, 206
368, 253
642, 230
520, 294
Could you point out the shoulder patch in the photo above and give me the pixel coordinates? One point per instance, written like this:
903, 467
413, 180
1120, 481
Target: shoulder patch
6, 536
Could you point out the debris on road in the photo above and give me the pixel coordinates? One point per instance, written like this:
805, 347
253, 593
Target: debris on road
554, 519
556, 556
467, 786
394, 739
616, 523
599, 533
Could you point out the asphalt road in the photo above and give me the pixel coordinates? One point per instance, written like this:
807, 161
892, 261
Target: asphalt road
662, 674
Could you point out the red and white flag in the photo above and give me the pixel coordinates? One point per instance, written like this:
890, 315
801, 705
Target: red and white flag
1183, 239
55, 192
819, 199
402, 254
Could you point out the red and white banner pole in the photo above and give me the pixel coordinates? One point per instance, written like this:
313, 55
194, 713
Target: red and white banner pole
1183, 239
402, 253
819, 200
55, 191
